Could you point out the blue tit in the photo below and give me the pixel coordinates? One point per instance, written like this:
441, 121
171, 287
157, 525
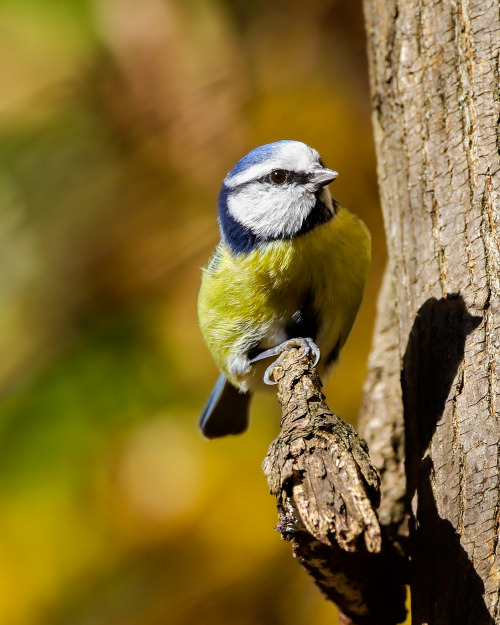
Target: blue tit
291, 264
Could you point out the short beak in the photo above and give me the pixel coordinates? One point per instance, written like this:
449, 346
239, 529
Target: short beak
322, 177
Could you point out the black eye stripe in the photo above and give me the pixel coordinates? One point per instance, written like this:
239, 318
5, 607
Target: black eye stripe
293, 177
299, 177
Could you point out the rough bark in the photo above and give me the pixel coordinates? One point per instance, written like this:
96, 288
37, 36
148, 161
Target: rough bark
326, 489
435, 92
381, 420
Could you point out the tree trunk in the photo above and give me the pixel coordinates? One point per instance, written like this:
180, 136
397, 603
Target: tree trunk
435, 93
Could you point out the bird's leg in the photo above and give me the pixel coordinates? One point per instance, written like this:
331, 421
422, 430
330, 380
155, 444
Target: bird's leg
306, 344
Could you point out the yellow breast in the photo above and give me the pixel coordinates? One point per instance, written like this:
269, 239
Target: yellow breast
248, 299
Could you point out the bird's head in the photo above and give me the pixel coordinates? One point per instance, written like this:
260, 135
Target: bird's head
277, 191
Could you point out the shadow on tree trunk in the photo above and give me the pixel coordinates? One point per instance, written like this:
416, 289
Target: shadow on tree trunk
449, 590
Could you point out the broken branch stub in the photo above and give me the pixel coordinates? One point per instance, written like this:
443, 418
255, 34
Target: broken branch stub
327, 491
319, 465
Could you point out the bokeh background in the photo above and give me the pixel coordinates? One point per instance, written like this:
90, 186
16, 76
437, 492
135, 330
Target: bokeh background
118, 121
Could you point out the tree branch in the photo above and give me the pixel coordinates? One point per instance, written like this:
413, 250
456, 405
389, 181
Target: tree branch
327, 490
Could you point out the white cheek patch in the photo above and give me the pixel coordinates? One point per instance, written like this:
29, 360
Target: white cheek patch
270, 211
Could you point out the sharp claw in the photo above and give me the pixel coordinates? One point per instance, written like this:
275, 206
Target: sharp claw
316, 352
306, 344
309, 345
274, 351
267, 375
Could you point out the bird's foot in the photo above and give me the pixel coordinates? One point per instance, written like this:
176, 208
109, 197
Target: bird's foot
306, 344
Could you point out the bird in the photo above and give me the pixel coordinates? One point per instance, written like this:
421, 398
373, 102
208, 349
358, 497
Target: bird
289, 270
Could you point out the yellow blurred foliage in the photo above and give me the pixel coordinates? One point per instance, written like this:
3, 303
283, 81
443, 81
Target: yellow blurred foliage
118, 122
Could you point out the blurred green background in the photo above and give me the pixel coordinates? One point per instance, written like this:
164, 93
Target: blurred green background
118, 121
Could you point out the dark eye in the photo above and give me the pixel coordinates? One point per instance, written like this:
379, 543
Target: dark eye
278, 176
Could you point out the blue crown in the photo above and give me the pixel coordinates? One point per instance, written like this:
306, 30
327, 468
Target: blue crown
259, 155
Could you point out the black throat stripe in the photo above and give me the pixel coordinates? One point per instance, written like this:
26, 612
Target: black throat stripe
320, 214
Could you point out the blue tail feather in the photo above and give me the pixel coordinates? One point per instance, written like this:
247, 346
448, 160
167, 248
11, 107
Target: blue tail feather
226, 411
